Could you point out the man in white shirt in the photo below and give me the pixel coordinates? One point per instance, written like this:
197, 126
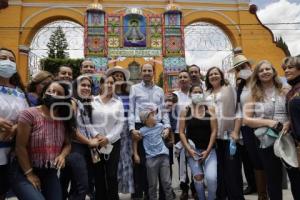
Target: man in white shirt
142, 96
184, 81
196, 76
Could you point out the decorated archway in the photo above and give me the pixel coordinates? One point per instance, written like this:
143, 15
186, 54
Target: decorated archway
160, 41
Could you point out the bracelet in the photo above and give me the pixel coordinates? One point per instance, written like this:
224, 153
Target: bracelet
28, 172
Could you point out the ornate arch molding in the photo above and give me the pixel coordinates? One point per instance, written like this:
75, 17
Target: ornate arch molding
45, 18
214, 20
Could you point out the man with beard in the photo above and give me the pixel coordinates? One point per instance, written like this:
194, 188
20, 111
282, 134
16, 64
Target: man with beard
142, 96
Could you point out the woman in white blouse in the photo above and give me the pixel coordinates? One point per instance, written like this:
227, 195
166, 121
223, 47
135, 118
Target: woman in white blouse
12, 101
223, 97
108, 118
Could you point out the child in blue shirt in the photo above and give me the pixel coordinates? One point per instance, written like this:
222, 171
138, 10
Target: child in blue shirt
157, 155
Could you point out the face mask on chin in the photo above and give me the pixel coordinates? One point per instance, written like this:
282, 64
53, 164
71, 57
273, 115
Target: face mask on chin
7, 68
197, 98
245, 73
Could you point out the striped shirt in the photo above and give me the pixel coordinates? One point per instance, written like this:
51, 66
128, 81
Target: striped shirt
46, 139
125, 101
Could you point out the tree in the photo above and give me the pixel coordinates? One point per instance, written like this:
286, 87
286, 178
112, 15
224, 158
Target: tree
58, 44
281, 44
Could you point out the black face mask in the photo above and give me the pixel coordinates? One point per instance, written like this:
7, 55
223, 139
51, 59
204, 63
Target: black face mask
49, 100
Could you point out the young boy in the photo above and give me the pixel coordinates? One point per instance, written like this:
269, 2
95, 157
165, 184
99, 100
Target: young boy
157, 155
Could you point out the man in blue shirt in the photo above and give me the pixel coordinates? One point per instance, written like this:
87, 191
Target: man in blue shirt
144, 95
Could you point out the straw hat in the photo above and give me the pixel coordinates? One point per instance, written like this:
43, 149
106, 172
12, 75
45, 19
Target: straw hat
238, 60
284, 148
40, 76
118, 69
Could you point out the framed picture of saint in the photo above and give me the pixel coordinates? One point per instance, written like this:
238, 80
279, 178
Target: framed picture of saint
135, 31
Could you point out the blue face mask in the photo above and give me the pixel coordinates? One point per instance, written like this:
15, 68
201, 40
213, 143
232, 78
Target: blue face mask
7, 68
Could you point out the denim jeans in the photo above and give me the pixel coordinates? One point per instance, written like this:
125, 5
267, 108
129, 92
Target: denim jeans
208, 168
50, 186
81, 168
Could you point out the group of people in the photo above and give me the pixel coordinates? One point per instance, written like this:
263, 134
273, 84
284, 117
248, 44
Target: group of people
65, 138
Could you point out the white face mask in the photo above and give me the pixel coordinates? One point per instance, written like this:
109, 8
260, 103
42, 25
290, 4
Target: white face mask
197, 98
7, 68
106, 149
245, 73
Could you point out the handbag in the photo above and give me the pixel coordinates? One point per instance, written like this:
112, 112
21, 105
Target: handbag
267, 136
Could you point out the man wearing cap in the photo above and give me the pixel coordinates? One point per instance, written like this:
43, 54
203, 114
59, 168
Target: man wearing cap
253, 168
157, 155
143, 95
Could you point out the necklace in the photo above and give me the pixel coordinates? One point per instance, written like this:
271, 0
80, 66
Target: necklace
270, 93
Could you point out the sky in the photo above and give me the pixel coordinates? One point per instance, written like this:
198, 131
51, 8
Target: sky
282, 11
270, 12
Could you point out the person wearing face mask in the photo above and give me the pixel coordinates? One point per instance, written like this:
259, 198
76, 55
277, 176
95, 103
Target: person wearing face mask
12, 101
250, 157
42, 144
202, 157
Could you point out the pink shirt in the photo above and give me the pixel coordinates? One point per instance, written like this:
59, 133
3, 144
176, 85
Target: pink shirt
46, 139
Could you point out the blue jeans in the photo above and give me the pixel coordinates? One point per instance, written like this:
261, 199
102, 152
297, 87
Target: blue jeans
79, 169
50, 186
208, 169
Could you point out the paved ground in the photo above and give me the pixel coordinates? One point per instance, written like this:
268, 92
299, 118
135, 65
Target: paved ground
175, 183
286, 196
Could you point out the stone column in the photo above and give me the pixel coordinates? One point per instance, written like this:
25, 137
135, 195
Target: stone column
23, 63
